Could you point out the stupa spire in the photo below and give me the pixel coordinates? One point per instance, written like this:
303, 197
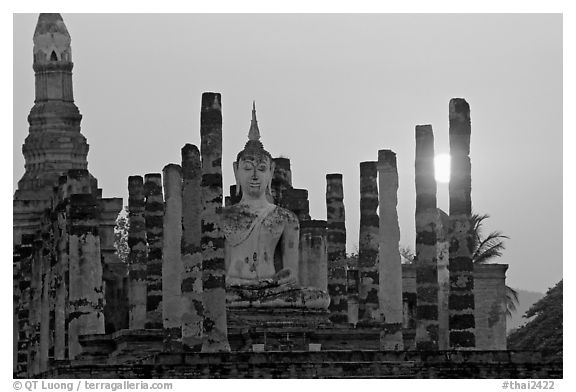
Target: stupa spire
254, 132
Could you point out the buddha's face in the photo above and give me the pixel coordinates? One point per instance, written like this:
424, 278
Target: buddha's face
253, 175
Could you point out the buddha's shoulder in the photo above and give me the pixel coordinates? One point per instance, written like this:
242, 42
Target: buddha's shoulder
285, 215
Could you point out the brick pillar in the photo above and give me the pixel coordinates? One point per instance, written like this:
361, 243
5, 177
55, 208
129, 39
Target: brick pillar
490, 306
16, 294
25, 275
409, 306
154, 217
192, 311
390, 264
215, 328
172, 265
425, 258
313, 265
45, 299
114, 270
460, 232
352, 286
368, 243
137, 258
86, 294
35, 307
281, 180
61, 281
336, 224
296, 200
442, 253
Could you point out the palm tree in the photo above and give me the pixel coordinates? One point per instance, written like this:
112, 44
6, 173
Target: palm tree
486, 249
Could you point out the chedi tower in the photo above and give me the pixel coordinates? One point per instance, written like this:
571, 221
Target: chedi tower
54, 144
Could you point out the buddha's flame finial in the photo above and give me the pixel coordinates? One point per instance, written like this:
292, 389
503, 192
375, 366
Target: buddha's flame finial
254, 132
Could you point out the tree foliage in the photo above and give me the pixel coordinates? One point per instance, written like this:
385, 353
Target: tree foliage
544, 332
121, 235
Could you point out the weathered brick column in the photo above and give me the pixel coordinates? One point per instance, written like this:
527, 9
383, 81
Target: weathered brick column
352, 286
409, 306
192, 311
442, 255
368, 243
426, 221
45, 298
336, 225
296, 200
215, 328
61, 281
281, 180
26, 251
16, 294
154, 218
172, 264
137, 257
390, 264
490, 306
35, 306
114, 269
86, 296
460, 232
313, 264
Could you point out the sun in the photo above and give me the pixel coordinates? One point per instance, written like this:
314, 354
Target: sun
442, 168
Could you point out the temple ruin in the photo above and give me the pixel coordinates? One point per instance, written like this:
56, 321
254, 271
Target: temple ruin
79, 311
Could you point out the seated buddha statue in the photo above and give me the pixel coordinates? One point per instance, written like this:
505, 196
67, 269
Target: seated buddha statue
255, 229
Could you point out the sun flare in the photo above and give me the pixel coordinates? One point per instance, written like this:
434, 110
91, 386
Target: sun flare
442, 168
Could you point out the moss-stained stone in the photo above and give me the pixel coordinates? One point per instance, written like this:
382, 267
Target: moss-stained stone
86, 295
460, 231
490, 306
426, 252
313, 263
368, 243
212, 239
138, 253
192, 310
390, 265
336, 236
154, 216
172, 268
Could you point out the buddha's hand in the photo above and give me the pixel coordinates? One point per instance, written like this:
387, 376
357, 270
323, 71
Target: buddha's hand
284, 277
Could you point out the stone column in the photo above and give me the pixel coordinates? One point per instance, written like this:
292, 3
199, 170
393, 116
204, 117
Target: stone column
336, 225
425, 258
296, 200
86, 294
215, 328
409, 306
154, 217
114, 270
137, 257
61, 282
352, 286
442, 248
313, 265
172, 265
490, 306
35, 307
25, 276
390, 264
282, 179
460, 232
368, 243
45, 298
192, 310
16, 294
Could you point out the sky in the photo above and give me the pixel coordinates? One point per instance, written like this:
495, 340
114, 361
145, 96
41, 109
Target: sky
330, 91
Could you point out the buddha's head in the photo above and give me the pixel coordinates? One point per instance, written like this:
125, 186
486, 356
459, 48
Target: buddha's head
254, 166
